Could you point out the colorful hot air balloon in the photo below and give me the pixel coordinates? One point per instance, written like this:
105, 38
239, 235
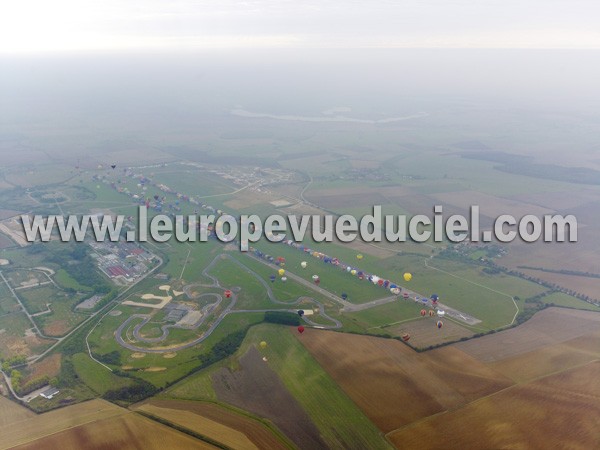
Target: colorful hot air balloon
281, 272
405, 295
440, 324
431, 313
423, 312
405, 337
227, 293
316, 279
300, 329
303, 264
263, 344
407, 276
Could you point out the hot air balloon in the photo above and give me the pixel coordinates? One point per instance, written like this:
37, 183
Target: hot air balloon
423, 312
380, 282
440, 324
300, 329
272, 278
407, 276
113, 166
359, 256
405, 337
395, 290
431, 313
316, 279
353, 271
405, 295
284, 279
263, 344
344, 296
281, 272
300, 312
441, 313
227, 293
303, 264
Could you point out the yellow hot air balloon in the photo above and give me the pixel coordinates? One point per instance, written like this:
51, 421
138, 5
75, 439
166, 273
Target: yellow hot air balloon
359, 256
407, 276
263, 344
353, 272
281, 272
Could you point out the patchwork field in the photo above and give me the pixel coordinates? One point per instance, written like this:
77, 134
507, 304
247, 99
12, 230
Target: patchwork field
550, 326
528, 387
233, 429
380, 374
256, 388
552, 411
124, 431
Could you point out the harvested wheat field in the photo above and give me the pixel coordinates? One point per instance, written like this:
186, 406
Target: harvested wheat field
11, 412
36, 427
127, 431
531, 365
550, 326
393, 384
559, 411
218, 423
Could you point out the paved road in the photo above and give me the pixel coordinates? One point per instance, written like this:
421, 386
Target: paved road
228, 310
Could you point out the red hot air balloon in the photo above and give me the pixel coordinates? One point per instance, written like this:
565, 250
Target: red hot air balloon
405, 337
300, 329
227, 293
405, 295
423, 312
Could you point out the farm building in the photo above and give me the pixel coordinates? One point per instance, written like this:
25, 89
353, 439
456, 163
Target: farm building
50, 392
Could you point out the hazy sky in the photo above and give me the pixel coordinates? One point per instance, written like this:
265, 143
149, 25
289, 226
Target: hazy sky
73, 25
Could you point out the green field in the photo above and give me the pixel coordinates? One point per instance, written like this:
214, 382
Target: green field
338, 419
98, 378
568, 301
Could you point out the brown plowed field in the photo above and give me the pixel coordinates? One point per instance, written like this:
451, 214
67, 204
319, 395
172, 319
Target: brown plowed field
256, 387
393, 384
